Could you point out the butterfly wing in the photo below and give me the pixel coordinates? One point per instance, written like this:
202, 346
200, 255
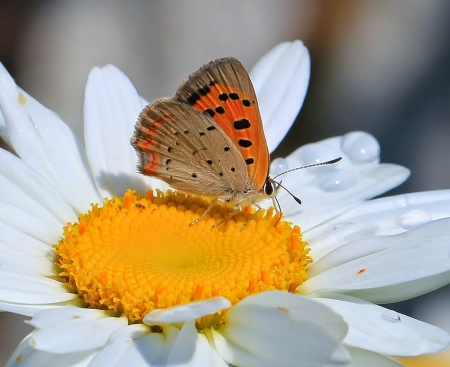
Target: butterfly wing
222, 89
187, 150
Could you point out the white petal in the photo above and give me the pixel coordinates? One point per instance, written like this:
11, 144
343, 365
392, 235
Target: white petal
281, 79
218, 360
205, 355
54, 317
23, 251
84, 335
348, 242
21, 353
151, 349
327, 191
25, 310
111, 109
389, 215
189, 349
13, 195
37, 261
398, 267
15, 237
21, 220
36, 186
26, 356
186, 312
143, 101
117, 344
20, 286
3, 133
135, 346
383, 331
45, 143
364, 358
277, 328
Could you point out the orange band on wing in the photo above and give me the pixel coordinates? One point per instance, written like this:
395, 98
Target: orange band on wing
238, 116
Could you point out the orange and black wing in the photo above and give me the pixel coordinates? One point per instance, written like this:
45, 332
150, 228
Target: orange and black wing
222, 89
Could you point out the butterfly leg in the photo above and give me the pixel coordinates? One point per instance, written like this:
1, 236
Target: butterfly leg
236, 210
252, 216
204, 213
277, 207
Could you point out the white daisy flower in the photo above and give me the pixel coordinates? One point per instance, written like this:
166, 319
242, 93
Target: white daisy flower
126, 281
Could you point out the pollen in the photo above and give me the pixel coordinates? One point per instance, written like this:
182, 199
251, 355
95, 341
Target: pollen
133, 254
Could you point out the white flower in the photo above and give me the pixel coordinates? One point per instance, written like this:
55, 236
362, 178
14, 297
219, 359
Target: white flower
379, 251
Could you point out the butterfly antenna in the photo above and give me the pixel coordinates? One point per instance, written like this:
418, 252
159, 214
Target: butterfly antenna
335, 160
290, 193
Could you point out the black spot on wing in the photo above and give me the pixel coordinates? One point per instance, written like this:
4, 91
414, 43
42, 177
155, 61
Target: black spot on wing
244, 143
210, 112
241, 124
193, 98
204, 90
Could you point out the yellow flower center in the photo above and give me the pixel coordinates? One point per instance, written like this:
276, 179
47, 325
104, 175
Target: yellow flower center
135, 253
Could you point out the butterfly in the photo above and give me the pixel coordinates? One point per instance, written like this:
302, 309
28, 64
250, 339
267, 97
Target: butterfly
208, 140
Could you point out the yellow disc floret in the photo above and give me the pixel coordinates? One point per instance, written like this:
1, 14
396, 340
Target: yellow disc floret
135, 253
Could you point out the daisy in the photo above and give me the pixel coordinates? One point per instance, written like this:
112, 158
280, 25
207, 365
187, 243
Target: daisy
105, 262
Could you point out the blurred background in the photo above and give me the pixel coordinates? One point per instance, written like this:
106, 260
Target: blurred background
378, 66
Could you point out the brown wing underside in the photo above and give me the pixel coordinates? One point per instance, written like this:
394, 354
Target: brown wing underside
187, 150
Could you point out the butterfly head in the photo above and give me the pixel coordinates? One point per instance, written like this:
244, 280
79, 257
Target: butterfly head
271, 187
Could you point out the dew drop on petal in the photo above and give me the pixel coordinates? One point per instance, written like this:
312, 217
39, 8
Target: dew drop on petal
391, 316
360, 147
413, 218
315, 153
336, 180
278, 165
401, 201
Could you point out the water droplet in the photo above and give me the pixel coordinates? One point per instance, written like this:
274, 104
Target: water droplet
391, 316
336, 180
400, 201
278, 165
414, 218
360, 147
315, 153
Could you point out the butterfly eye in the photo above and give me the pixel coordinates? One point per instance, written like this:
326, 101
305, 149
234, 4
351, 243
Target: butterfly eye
268, 188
